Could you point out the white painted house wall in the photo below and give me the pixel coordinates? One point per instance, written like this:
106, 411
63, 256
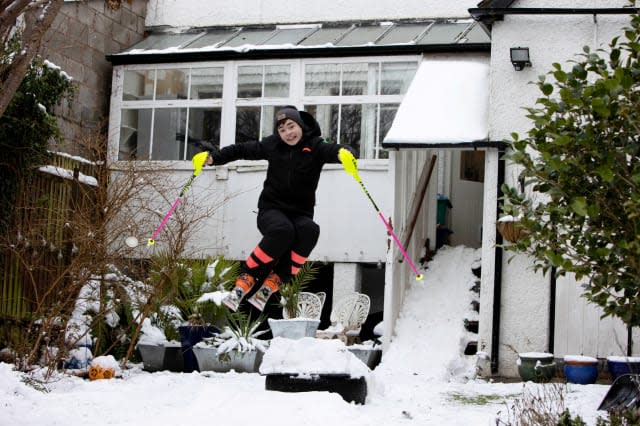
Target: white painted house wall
525, 294
180, 13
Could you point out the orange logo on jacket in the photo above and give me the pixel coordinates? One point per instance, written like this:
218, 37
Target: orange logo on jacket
306, 149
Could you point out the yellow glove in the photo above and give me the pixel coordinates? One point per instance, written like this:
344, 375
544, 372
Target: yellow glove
349, 162
198, 161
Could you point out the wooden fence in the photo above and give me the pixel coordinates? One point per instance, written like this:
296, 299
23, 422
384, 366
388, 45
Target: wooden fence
40, 245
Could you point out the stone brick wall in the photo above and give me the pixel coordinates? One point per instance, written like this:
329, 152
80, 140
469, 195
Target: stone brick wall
80, 37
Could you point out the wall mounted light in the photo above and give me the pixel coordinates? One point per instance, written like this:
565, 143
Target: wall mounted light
520, 58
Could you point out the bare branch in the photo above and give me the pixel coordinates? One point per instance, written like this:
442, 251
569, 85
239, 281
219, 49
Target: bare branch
37, 22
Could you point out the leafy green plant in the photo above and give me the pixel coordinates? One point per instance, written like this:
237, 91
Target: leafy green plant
183, 281
240, 334
629, 417
579, 192
289, 292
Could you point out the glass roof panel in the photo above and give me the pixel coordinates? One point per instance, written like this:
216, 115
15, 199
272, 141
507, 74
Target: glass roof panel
403, 33
211, 39
324, 36
256, 36
289, 35
477, 35
444, 33
163, 41
363, 35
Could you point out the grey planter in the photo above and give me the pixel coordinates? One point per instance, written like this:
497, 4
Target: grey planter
294, 328
241, 362
161, 357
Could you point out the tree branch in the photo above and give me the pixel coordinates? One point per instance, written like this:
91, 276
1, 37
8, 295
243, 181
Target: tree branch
37, 22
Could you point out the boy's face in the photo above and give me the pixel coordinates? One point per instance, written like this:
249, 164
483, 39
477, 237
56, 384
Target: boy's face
290, 132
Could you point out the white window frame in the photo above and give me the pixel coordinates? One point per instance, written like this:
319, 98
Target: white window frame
229, 100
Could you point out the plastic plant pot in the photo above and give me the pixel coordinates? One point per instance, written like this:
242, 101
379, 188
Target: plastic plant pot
536, 366
619, 365
582, 370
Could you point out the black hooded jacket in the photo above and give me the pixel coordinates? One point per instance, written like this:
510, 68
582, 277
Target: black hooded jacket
293, 172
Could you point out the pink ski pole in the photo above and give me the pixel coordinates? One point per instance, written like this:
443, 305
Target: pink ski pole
198, 162
350, 166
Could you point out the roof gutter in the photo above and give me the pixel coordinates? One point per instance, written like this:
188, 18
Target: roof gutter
471, 144
220, 55
488, 15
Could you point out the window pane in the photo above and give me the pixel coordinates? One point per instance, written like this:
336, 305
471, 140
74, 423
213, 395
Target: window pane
204, 130
443, 33
256, 36
396, 77
327, 118
351, 126
324, 36
250, 82
164, 41
138, 84
172, 84
362, 35
289, 36
247, 124
387, 114
368, 131
206, 83
210, 39
322, 80
472, 166
402, 33
268, 114
135, 134
359, 79
276, 81
168, 133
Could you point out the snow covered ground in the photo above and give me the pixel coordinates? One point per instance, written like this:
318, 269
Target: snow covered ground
423, 380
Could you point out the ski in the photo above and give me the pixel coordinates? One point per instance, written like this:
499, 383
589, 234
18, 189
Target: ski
259, 299
233, 299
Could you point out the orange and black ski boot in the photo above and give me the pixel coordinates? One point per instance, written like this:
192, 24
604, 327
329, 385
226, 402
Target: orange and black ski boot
244, 284
271, 285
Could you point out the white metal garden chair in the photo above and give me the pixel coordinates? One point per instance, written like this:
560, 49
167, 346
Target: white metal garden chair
347, 317
309, 306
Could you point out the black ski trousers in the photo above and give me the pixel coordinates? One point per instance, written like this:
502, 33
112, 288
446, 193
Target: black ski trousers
287, 241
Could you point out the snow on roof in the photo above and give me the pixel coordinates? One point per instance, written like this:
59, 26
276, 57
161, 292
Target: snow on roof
447, 104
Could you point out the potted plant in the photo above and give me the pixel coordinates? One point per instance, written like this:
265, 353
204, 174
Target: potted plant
509, 228
293, 326
237, 347
582, 370
536, 366
159, 344
204, 316
619, 365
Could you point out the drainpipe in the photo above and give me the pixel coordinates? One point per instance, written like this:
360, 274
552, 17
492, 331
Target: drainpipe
552, 311
497, 273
